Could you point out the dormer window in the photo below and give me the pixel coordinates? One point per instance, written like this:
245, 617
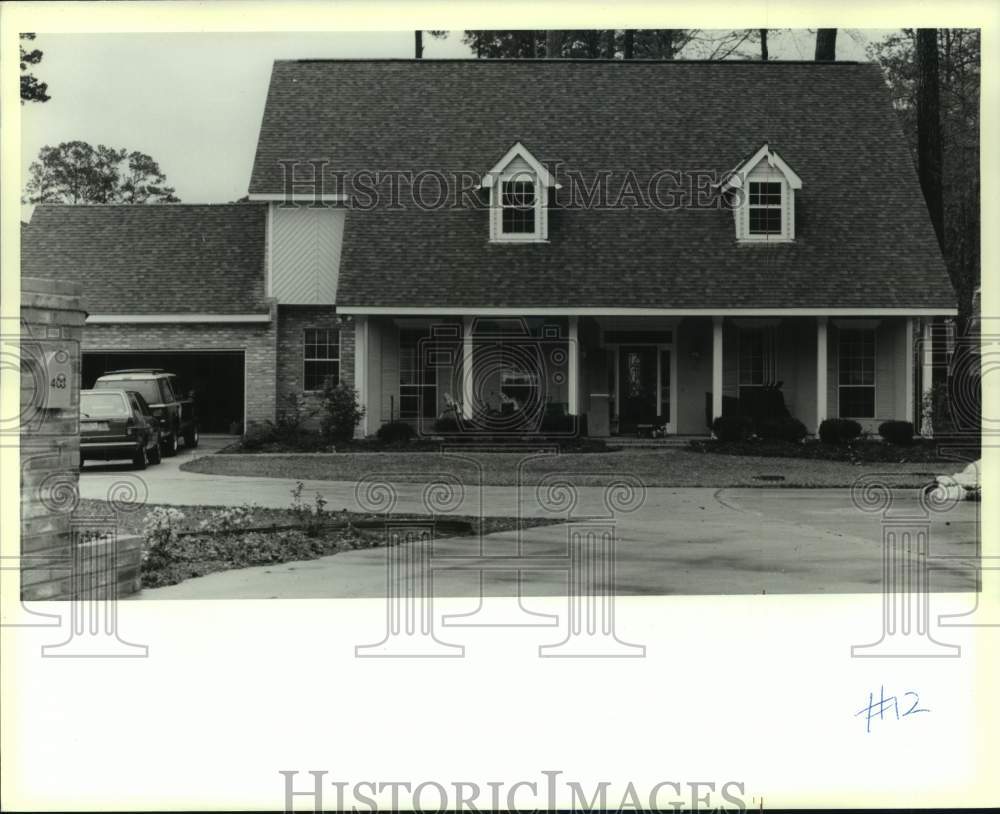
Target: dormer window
518, 202
762, 191
519, 190
765, 208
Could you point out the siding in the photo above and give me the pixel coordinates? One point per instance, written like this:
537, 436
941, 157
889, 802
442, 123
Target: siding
305, 254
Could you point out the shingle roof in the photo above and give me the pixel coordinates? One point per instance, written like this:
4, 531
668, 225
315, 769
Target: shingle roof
863, 233
162, 258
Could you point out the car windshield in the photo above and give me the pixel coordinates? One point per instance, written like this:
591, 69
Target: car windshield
149, 389
102, 405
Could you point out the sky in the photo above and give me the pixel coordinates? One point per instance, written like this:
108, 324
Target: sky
194, 102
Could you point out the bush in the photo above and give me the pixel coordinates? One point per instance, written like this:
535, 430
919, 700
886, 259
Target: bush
558, 423
395, 432
732, 427
782, 429
341, 411
897, 432
256, 436
446, 425
839, 431
269, 437
292, 415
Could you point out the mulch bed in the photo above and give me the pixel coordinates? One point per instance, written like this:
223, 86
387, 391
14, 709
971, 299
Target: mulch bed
275, 536
865, 450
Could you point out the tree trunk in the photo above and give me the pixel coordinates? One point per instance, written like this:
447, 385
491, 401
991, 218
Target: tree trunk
826, 44
929, 152
629, 47
667, 40
763, 45
533, 45
418, 41
611, 47
553, 44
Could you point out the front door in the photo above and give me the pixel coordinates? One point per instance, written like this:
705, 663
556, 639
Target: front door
637, 387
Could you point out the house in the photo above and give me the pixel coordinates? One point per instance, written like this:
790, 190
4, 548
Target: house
638, 244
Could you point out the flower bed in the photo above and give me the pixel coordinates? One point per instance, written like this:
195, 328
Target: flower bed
305, 442
862, 450
182, 542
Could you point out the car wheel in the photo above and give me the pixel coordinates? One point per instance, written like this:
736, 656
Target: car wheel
139, 460
191, 438
169, 445
154, 452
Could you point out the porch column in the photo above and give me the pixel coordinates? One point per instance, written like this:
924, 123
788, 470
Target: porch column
716, 367
927, 377
573, 366
361, 371
821, 370
468, 375
910, 414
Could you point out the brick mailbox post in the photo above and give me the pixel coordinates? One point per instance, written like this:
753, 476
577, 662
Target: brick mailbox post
62, 557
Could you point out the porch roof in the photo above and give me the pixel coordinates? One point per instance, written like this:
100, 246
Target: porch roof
863, 235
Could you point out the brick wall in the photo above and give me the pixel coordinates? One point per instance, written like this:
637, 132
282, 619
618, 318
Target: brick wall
292, 322
257, 340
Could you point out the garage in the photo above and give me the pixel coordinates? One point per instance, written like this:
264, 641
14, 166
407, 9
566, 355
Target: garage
216, 377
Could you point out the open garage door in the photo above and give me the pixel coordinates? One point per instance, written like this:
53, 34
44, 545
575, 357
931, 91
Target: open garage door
217, 378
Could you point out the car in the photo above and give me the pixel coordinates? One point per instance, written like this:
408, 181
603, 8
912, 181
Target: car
118, 424
159, 388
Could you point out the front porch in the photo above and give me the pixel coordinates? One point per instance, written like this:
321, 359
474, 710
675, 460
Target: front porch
634, 376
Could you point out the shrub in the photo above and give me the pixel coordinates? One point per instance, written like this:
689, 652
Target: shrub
446, 425
229, 519
732, 427
256, 436
159, 530
311, 519
839, 431
292, 414
557, 423
268, 437
342, 413
762, 403
782, 429
395, 432
897, 432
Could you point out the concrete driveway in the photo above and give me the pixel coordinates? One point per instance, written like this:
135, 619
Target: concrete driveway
673, 541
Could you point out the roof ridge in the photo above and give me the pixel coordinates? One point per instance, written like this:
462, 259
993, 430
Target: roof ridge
578, 61
158, 205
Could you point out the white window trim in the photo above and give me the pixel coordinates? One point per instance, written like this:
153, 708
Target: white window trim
741, 178
538, 176
540, 233
306, 361
874, 385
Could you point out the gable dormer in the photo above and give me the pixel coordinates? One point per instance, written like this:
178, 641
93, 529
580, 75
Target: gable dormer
762, 189
519, 197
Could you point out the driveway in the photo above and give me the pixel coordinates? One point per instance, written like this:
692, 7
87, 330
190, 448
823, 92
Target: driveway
673, 541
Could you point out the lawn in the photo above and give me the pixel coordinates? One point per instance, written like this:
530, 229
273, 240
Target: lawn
182, 542
659, 467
